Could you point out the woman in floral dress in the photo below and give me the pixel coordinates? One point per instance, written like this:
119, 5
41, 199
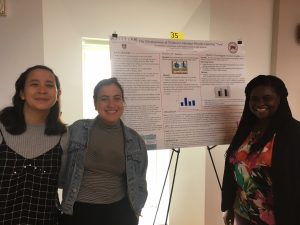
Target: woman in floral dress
261, 178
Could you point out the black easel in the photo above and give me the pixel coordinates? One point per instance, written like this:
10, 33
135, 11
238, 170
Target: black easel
174, 175
114, 36
173, 181
213, 163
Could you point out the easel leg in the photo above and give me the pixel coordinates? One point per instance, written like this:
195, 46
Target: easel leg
173, 181
213, 163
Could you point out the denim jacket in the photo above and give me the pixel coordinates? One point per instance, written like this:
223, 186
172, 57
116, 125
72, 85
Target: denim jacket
136, 166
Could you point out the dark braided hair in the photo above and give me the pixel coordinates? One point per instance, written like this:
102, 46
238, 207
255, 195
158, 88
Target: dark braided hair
248, 119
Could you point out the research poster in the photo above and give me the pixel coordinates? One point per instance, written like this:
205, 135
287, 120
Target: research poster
180, 93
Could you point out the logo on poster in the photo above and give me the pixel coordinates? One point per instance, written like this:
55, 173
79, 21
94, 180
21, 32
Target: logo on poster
233, 47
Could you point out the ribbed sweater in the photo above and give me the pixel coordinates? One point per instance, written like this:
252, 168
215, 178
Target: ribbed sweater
33, 142
103, 179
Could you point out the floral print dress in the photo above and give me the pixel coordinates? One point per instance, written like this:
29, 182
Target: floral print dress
254, 199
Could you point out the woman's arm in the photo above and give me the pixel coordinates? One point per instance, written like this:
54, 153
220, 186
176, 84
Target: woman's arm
144, 165
228, 217
228, 187
64, 157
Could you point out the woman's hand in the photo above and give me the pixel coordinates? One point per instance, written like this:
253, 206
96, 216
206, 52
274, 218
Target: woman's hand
228, 217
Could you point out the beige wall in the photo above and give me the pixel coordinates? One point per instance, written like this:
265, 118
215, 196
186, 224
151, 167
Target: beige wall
65, 23
251, 22
50, 32
286, 60
21, 43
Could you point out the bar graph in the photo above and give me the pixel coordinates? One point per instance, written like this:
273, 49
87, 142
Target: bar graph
187, 102
222, 92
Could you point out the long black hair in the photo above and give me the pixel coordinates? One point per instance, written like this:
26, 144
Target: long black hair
12, 117
248, 119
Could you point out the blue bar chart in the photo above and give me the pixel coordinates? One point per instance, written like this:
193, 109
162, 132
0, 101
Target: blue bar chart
187, 102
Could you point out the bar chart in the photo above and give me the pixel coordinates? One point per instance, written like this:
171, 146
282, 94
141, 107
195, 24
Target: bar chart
187, 102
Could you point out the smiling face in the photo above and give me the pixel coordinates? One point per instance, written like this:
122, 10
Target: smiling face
40, 92
264, 102
110, 104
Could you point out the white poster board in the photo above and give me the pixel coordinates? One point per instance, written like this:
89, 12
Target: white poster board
180, 93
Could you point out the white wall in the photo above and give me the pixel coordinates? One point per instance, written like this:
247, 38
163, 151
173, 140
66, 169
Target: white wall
67, 21
287, 50
21, 43
250, 21
27, 38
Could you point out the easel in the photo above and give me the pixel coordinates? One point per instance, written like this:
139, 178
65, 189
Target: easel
173, 179
213, 163
115, 35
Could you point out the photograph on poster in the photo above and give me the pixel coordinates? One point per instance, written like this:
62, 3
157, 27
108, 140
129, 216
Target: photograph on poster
2, 8
179, 67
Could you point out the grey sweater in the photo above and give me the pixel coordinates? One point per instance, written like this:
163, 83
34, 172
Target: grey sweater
33, 142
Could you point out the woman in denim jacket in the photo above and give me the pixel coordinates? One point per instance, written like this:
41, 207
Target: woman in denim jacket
104, 181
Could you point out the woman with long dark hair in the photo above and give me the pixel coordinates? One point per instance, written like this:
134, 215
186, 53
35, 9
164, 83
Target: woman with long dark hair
32, 138
261, 178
